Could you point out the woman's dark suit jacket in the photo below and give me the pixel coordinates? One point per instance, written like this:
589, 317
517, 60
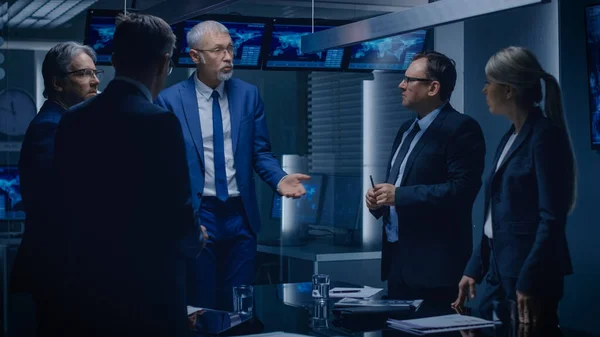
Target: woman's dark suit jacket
529, 195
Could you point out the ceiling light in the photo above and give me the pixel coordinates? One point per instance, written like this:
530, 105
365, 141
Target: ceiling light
44, 13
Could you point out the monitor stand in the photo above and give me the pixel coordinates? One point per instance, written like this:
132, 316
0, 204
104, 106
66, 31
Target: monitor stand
345, 238
299, 237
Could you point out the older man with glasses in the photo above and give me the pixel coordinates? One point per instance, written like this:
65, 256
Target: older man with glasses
227, 141
70, 77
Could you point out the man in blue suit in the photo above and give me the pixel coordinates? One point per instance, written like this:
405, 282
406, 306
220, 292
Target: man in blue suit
226, 139
433, 175
70, 77
126, 200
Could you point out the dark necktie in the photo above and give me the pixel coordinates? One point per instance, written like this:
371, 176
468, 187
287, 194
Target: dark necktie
402, 153
219, 150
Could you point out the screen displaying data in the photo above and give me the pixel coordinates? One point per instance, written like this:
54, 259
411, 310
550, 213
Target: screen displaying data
390, 53
99, 36
341, 202
11, 203
100, 30
285, 51
592, 22
247, 41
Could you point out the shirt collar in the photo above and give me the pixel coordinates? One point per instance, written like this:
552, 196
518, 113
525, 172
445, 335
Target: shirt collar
427, 120
207, 91
137, 84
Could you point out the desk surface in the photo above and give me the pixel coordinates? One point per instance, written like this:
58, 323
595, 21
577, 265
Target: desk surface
289, 308
323, 251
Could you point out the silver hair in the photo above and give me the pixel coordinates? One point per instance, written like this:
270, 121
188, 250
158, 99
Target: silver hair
197, 33
57, 61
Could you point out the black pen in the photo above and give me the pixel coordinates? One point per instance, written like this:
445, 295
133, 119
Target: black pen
372, 183
344, 291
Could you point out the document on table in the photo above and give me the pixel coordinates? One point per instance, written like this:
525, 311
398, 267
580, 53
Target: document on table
437, 324
276, 334
191, 310
365, 292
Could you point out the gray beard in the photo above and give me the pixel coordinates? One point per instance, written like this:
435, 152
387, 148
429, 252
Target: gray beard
224, 76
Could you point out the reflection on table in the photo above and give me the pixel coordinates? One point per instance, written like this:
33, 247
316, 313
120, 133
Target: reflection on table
290, 308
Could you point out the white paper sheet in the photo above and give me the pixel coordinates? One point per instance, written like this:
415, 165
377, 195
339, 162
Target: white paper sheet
354, 292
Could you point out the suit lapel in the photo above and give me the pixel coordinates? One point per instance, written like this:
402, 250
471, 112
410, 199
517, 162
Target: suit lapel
427, 136
488, 185
525, 131
234, 111
192, 115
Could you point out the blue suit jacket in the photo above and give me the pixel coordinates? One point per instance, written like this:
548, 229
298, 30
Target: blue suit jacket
36, 254
250, 139
529, 196
120, 163
435, 200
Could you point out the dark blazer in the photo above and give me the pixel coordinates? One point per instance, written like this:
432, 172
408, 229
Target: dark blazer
126, 202
36, 260
250, 140
529, 196
435, 200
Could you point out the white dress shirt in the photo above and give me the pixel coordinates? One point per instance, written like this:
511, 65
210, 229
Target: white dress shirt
487, 227
205, 103
424, 123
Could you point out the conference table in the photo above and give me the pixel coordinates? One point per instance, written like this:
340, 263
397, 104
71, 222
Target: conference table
289, 308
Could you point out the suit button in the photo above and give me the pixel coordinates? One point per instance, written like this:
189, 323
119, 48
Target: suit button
199, 195
497, 199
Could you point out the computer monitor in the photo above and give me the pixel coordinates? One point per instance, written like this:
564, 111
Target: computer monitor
11, 203
391, 53
284, 52
305, 209
248, 35
592, 26
276, 206
99, 31
341, 202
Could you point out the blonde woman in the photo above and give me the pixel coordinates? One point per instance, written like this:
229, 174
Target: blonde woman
523, 253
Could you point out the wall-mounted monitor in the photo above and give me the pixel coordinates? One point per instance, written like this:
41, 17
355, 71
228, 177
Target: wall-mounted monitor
592, 27
284, 52
99, 31
11, 203
391, 53
248, 35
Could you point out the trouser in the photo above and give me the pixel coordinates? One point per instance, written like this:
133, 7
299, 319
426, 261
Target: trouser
228, 258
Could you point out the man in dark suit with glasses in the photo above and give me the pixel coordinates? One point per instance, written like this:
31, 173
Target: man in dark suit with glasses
70, 77
433, 175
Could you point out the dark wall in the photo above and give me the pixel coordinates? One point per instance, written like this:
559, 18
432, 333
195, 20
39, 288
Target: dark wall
580, 304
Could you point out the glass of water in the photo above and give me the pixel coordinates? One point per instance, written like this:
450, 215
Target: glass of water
320, 314
243, 299
320, 287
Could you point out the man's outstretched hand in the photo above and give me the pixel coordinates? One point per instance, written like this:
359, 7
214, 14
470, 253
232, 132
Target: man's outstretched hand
291, 186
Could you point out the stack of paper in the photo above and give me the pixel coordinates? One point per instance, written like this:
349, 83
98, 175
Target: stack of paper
191, 310
425, 326
353, 292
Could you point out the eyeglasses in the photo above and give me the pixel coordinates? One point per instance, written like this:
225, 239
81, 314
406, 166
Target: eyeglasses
171, 66
409, 79
219, 50
87, 73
